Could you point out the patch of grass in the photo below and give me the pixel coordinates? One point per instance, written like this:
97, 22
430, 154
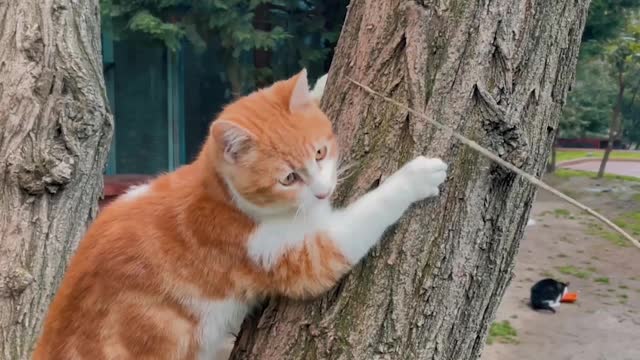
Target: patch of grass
609, 235
636, 197
623, 298
629, 221
570, 173
611, 290
573, 271
546, 273
602, 280
566, 155
623, 287
561, 212
502, 332
592, 269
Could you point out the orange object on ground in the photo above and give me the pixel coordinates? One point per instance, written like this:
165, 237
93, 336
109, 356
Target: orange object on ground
570, 297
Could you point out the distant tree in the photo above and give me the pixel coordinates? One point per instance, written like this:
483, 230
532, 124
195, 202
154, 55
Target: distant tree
248, 31
588, 109
631, 113
623, 54
607, 18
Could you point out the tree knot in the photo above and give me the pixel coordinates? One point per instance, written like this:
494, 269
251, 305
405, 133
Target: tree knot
50, 171
503, 135
15, 282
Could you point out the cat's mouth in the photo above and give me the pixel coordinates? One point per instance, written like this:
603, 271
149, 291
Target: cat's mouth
325, 195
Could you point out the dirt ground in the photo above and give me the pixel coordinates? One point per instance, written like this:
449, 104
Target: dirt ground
604, 324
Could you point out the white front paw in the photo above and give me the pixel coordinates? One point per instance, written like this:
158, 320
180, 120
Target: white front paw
422, 176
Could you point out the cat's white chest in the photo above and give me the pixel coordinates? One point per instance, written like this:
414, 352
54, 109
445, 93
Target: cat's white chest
274, 237
219, 322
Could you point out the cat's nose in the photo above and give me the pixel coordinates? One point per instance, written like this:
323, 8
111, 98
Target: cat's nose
322, 196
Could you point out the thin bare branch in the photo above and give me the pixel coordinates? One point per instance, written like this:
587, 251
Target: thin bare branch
475, 146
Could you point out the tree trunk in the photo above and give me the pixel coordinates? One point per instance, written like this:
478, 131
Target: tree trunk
614, 125
551, 167
262, 57
497, 71
55, 129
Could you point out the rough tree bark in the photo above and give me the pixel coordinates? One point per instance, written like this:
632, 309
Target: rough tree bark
55, 129
498, 71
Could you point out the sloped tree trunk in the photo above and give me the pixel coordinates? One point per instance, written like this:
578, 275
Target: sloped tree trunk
615, 125
55, 129
551, 167
497, 71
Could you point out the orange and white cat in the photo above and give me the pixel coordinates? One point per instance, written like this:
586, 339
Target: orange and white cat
169, 270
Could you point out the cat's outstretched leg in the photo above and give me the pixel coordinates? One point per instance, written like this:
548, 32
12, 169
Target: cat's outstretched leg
358, 227
351, 232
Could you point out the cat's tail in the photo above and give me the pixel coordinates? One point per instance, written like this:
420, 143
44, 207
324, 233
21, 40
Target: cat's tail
318, 88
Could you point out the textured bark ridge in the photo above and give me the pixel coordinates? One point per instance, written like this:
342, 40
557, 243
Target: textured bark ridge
498, 71
55, 129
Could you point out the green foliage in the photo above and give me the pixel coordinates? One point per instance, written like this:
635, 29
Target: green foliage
610, 52
240, 27
607, 18
588, 108
144, 22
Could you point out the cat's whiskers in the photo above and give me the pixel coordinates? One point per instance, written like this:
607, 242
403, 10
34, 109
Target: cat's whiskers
344, 171
295, 217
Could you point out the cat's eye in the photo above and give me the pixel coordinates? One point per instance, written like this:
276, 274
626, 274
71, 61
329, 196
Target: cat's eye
289, 179
321, 153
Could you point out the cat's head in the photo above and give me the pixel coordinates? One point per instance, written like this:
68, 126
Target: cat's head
563, 287
276, 149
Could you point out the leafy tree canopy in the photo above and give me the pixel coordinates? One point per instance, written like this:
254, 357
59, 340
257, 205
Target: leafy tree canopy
611, 42
240, 27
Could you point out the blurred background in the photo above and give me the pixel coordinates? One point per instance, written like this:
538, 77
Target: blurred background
170, 65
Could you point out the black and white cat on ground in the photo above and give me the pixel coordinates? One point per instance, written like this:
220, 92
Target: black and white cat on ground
546, 294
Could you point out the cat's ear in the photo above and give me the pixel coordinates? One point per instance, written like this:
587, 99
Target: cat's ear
318, 89
235, 140
300, 96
